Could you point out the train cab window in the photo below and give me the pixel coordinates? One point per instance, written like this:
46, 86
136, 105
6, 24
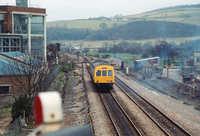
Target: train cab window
104, 73
98, 73
110, 73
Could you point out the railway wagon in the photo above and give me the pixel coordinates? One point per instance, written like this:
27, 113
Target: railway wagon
102, 74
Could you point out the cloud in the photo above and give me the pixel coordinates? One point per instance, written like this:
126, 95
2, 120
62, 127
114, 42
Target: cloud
79, 9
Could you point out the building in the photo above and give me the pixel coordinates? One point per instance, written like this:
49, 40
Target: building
197, 59
23, 29
6, 60
52, 53
138, 64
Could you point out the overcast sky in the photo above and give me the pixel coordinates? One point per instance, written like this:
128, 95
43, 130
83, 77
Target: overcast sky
83, 9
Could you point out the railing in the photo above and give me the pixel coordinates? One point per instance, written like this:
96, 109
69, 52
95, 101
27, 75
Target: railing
14, 129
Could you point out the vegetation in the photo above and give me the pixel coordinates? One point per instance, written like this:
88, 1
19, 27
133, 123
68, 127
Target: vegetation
60, 81
146, 30
171, 53
137, 30
188, 14
21, 105
27, 76
91, 23
5, 111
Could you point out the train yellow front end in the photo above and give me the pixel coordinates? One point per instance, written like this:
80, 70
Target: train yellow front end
104, 75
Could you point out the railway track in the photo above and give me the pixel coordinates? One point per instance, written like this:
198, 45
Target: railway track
119, 118
168, 126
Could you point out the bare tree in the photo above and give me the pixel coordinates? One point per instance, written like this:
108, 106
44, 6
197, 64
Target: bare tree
26, 73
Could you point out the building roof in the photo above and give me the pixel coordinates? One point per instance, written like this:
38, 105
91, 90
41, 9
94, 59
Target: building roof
9, 59
147, 59
197, 50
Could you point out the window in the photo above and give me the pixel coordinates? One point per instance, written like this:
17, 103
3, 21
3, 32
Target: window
21, 24
5, 42
37, 25
4, 89
37, 46
110, 73
104, 73
98, 73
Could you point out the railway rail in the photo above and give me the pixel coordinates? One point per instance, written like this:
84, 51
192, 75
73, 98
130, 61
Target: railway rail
119, 118
122, 123
167, 125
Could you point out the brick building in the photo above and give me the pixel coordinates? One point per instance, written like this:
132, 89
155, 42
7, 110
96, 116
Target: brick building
7, 60
23, 29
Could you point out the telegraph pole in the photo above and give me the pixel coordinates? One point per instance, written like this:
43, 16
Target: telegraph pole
114, 48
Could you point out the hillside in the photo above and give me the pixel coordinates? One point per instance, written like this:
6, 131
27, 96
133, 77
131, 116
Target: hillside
137, 30
171, 22
140, 30
86, 24
188, 14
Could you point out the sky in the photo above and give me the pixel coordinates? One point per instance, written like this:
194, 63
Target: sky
84, 9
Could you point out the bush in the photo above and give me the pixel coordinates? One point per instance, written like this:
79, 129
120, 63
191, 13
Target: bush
23, 103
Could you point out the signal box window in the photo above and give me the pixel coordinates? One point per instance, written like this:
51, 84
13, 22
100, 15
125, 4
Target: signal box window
98, 73
110, 73
104, 73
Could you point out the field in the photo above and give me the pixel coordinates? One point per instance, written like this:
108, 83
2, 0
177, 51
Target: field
90, 24
189, 15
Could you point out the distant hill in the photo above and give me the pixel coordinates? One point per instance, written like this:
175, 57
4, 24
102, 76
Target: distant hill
170, 22
86, 24
137, 30
140, 30
188, 14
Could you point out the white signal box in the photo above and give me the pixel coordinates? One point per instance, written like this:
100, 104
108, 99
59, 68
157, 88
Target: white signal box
48, 112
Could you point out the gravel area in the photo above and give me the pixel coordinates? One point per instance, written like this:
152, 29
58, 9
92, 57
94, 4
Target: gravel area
75, 107
176, 109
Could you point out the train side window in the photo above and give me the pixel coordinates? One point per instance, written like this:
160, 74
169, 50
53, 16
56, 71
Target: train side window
104, 73
110, 73
98, 73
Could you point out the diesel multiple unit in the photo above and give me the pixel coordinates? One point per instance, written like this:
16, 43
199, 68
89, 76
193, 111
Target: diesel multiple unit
102, 74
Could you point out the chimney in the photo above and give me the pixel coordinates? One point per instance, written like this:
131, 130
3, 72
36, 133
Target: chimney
22, 3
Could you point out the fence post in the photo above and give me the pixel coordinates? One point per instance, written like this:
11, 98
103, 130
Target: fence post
20, 125
15, 127
9, 129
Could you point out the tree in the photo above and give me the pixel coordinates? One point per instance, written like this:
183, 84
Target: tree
165, 50
27, 74
21, 105
103, 25
118, 17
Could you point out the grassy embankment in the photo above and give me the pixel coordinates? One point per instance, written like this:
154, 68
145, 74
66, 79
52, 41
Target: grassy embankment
5, 112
